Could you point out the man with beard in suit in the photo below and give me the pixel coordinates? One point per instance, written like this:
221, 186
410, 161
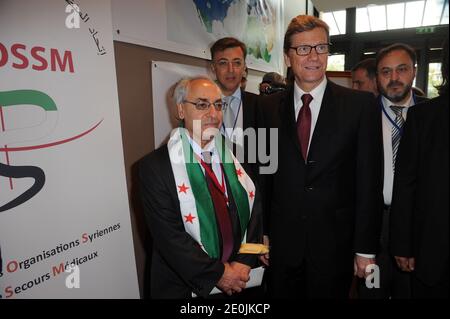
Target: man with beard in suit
396, 70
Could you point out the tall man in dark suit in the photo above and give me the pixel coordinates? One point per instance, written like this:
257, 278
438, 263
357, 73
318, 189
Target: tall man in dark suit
396, 70
325, 198
199, 202
228, 64
420, 203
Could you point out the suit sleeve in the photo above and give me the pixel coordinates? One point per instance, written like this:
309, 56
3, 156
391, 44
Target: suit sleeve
404, 191
369, 172
265, 111
181, 252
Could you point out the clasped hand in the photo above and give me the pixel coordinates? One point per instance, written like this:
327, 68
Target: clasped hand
234, 278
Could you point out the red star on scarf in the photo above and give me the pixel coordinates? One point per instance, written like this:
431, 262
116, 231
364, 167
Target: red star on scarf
183, 188
189, 218
239, 172
251, 195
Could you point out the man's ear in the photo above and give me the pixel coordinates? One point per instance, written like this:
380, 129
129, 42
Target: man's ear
287, 61
180, 111
213, 68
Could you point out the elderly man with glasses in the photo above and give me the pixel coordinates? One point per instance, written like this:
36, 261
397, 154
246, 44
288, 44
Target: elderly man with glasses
325, 199
201, 205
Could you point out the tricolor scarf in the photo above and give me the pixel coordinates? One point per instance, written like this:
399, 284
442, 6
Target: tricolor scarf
197, 209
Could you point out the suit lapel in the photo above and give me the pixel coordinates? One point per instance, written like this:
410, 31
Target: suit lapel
325, 126
288, 117
248, 110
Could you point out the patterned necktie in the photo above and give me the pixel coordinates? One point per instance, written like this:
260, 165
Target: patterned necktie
396, 131
221, 211
304, 124
228, 115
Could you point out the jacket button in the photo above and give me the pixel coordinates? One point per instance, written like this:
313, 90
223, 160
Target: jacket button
309, 188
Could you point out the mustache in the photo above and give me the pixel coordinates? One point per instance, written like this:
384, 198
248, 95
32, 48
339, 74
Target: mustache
392, 83
211, 121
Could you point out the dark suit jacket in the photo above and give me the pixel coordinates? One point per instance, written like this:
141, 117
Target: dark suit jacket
249, 108
329, 208
179, 265
249, 119
420, 206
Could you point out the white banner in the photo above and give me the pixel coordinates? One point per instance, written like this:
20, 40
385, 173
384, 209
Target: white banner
63, 196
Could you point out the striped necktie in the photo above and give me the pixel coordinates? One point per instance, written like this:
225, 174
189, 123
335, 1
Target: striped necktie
396, 131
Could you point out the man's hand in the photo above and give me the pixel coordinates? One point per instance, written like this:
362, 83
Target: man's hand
233, 279
405, 263
242, 269
265, 258
360, 265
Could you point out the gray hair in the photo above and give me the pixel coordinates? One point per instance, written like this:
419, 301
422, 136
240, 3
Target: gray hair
182, 87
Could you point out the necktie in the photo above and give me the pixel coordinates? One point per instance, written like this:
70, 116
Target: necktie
207, 157
304, 124
220, 207
396, 131
229, 117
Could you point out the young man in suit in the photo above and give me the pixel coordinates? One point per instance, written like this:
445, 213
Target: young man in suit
228, 65
396, 70
199, 202
325, 198
420, 205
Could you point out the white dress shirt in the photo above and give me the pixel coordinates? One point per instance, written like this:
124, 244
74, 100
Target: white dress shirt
387, 145
235, 133
215, 159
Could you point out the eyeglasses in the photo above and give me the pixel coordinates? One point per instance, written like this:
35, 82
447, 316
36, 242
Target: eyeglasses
387, 72
305, 49
204, 105
223, 64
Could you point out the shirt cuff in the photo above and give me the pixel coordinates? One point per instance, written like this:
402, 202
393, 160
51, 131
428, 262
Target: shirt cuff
366, 255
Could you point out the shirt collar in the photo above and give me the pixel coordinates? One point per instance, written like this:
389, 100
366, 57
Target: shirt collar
236, 95
210, 147
387, 103
317, 92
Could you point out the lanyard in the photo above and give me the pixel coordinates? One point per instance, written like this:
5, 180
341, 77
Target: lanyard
398, 128
208, 170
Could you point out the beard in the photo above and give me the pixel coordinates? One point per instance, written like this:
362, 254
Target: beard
398, 96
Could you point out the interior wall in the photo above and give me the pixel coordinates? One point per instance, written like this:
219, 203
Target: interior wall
134, 84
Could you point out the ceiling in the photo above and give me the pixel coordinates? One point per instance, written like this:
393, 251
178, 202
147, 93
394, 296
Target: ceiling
327, 5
